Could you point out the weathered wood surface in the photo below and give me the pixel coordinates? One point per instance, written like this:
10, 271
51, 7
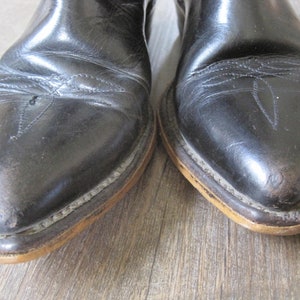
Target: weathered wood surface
163, 240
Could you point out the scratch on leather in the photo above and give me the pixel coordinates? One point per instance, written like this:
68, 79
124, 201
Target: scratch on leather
24, 128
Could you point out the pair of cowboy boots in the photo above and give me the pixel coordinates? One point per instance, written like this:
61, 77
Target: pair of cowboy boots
77, 129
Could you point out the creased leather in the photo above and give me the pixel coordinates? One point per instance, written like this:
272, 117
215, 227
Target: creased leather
73, 103
237, 95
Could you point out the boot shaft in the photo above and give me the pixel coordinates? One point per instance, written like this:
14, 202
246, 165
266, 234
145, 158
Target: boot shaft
103, 27
223, 29
106, 35
247, 18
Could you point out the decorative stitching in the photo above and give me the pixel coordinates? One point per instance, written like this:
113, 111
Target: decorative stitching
201, 82
55, 85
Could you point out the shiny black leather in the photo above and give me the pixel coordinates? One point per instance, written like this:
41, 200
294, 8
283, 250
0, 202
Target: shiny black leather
73, 104
238, 95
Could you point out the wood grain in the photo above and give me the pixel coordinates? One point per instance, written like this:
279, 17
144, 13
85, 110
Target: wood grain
163, 240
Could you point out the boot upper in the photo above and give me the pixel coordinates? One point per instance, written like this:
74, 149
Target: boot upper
73, 104
237, 95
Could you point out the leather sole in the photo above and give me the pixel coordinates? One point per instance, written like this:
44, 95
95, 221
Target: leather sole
213, 187
53, 232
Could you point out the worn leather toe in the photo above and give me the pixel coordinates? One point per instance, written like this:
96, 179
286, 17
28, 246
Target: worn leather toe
54, 148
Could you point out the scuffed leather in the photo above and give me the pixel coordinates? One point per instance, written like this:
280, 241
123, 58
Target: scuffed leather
238, 95
73, 102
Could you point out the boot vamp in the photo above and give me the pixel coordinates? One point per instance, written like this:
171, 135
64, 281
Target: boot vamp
73, 105
242, 116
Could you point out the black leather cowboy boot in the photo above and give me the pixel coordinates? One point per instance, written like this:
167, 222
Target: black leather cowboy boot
76, 128
231, 119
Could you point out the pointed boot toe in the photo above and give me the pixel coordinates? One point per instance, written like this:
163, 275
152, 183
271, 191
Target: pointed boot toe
230, 121
76, 127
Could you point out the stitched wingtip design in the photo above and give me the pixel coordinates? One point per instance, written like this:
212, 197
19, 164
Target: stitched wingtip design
209, 83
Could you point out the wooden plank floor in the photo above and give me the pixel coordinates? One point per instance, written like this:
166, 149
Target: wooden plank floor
163, 240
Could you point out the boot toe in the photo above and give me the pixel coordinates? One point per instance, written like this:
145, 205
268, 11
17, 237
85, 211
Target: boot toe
242, 117
53, 156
